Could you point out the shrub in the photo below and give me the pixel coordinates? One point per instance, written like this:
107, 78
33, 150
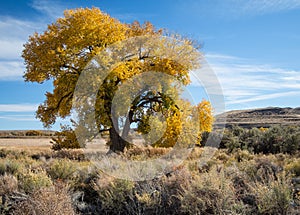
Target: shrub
222, 156
294, 167
261, 168
2, 167
9, 167
285, 139
143, 153
33, 133
3, 153
52, 200
208, 193
291, 144
243, 155
30, 181
42, 155
72, 154
12, 166
213, 137
65, 139
85, 174
171, 186
195, 153
61, 169
8, 184
273, 195
115, 196
16, 133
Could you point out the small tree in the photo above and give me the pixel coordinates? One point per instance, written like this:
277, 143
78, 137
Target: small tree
65, 139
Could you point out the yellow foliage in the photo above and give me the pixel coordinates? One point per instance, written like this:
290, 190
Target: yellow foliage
186, 125
263, 129
62, 52
172, 131
206, 118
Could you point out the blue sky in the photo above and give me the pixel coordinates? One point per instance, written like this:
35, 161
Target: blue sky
253, 46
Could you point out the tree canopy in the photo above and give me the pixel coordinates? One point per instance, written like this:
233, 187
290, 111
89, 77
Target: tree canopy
87, 49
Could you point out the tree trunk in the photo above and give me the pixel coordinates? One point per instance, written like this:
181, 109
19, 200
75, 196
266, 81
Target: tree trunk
126, 128
118, 144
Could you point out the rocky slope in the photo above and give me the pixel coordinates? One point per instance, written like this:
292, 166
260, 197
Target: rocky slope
264, 117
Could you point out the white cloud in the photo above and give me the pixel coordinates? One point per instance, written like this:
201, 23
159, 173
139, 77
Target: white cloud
221, 57
267, 6
11, 70
127, 16
18, 107
258, 7
52, 9
264, 97
19, 118
11, 49
13, 27
13, 34
229, 9
244, 82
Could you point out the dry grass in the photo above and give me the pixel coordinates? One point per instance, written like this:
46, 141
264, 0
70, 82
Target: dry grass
47, 201
64, 182
31, 145
8, 184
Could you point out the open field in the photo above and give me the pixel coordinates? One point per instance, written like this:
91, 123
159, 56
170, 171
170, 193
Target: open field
255, 171
229, 183
32, 144
37, 144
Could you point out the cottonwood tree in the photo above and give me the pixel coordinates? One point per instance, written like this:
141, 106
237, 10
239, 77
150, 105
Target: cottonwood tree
89, 40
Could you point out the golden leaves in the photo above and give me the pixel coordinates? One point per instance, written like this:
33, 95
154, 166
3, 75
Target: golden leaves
186, 124
205, 116
71, 40
63, 51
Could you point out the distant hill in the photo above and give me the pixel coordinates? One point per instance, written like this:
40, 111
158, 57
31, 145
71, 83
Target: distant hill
263, 117
26, 133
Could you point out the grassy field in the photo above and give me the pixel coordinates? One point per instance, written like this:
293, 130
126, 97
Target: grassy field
36, 180
28, 144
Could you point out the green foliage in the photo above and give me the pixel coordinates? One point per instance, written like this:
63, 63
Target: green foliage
294, 167
62, 169
272, 140
273, 196
115, 196
32, 181
9, 166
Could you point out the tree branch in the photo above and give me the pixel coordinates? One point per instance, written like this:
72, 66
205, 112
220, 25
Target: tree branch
60, 101
103, 130
71, 67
